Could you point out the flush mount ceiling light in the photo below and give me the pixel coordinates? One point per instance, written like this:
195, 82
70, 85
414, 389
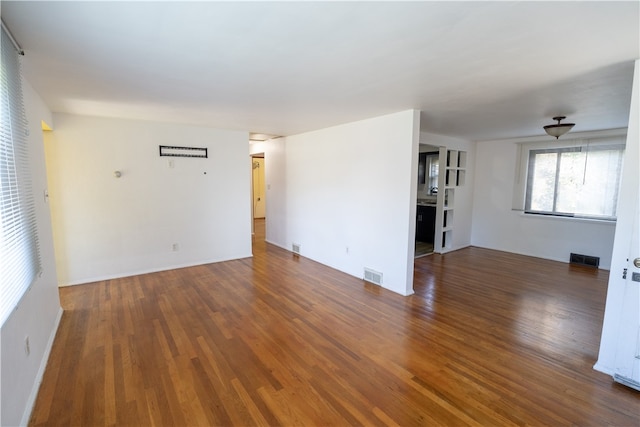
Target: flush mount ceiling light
558, 129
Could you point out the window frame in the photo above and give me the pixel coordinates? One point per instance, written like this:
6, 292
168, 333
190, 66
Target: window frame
529, 185
529, 151
432, 169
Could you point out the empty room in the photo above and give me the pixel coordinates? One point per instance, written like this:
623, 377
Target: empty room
320, 213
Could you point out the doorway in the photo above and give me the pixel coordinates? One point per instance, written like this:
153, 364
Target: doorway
258, 199
258, 187
426, 199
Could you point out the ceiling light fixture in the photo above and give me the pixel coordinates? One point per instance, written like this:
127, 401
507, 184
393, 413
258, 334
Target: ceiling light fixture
558, 129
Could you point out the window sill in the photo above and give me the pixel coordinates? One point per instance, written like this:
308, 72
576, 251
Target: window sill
567, 218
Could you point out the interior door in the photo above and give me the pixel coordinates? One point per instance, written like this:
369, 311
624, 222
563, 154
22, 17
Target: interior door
627, 359
623, 308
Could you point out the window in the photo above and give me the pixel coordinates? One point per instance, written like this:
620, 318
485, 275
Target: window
432, 173
19, 253
581, 180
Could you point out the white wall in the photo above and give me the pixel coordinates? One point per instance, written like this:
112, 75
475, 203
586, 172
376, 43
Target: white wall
497, 226
38, 313
107, 227
346, 194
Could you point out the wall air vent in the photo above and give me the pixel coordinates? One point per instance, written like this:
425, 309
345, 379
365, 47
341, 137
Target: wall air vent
295, 248
373, 276
171, 151
579, 259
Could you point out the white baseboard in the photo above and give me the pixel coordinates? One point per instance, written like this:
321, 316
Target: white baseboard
43, 365
604, 369
84, 281
278, 245
562, 260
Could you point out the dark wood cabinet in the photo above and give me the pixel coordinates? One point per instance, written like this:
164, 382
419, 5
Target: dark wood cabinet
425, 223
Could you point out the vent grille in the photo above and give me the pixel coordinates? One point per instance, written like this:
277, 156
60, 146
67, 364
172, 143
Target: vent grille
373, 276
295, 247
579, 259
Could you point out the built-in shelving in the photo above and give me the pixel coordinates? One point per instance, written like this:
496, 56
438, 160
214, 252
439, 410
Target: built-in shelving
455, 168
454, 176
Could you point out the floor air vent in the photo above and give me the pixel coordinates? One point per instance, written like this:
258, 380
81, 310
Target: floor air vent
591, 261
373, 276
295, 247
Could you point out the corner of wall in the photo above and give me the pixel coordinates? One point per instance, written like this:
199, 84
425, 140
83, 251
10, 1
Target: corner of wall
43, 365
38, 312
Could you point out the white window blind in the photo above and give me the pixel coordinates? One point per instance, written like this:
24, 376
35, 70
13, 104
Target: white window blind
19, 251
578, 181
574, 178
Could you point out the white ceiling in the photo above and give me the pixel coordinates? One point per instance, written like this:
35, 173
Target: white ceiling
476, 70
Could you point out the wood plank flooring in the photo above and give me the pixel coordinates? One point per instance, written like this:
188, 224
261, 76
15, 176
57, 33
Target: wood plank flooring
489, 338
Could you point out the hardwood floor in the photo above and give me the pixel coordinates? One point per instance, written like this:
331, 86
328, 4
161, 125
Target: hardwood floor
489, 338
423, 248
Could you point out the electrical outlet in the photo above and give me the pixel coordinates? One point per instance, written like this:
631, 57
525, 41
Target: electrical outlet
27, 347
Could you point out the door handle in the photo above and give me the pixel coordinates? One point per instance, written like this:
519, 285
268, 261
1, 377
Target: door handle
636, 262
